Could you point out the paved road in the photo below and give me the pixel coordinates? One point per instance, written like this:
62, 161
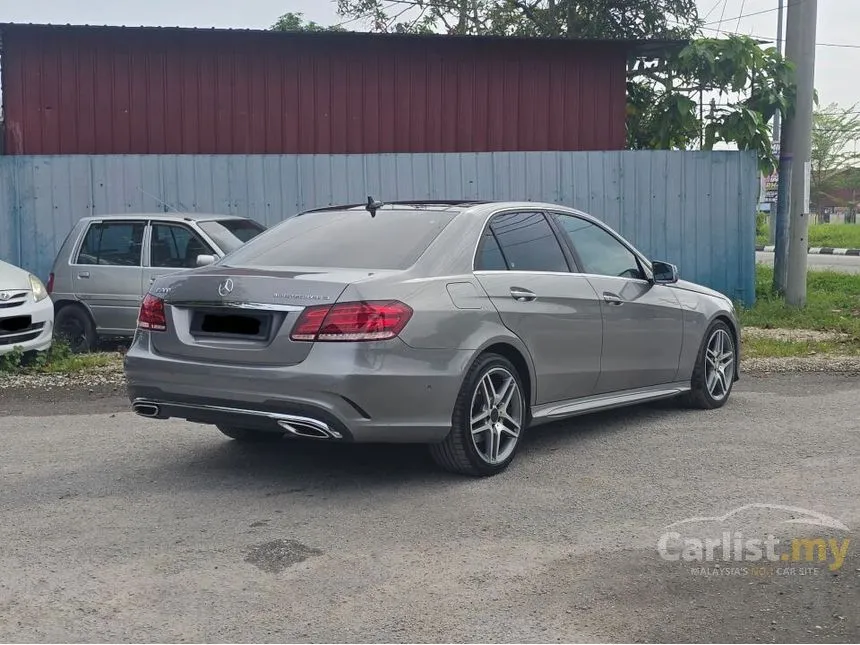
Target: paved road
841, 263
115, 529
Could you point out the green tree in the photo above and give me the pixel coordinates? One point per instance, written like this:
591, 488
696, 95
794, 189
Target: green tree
750, 83
835, 130
295, 21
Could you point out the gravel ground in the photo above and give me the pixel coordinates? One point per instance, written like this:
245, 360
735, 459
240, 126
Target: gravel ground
122, 529
111, 377
795, 335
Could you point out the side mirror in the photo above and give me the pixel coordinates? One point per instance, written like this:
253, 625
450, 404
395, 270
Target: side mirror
205, 260
664, 273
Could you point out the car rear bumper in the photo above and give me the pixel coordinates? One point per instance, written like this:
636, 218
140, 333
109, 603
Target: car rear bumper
36, 335
381, 392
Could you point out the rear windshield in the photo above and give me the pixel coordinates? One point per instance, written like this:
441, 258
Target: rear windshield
230, 234
394, 239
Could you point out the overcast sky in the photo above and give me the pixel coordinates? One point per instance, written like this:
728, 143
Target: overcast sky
838, 23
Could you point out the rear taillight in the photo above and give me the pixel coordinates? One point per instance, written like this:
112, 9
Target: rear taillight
151, 316
352, 321
50, 286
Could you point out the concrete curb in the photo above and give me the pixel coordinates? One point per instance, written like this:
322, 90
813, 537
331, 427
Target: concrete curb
816, 250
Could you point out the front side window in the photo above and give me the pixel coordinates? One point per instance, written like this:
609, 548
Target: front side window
528, 242
600, 252
175, 246
113, 244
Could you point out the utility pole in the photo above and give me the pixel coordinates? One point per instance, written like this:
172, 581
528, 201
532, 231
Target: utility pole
800, 47
777, 121
781, 237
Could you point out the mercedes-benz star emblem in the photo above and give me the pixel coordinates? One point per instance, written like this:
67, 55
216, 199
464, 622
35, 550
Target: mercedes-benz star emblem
225, 287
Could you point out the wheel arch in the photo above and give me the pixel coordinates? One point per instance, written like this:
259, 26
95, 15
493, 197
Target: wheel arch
736, 338
519, 356
65, 303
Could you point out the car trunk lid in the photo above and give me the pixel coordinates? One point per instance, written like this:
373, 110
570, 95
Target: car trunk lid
243, 316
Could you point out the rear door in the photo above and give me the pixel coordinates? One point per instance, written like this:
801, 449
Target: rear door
106, 273
172, 247
642, 322
527, 274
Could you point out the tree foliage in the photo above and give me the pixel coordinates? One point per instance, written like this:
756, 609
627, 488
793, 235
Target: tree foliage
834, 133
295, 21
538, 18
745, 84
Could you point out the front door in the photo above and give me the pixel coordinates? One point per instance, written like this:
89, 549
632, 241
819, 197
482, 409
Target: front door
106, 274
642, 322
172, 248
556, 313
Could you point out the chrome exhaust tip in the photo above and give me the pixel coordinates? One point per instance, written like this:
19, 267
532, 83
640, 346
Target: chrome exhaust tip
148, 410
308, 429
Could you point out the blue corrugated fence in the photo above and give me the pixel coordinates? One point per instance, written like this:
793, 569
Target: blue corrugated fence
695, 209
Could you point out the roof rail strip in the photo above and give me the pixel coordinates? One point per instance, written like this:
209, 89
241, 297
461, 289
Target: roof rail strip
412, 202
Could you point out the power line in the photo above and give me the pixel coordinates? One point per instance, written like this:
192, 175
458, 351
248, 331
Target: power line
714, 8
722, 15
747, 15
764, 38
743, 6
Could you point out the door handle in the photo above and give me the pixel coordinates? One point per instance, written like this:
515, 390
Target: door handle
522, 295
84, 274
612, 299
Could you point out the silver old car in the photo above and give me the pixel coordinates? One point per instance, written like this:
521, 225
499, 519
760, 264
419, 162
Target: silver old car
106, 264
457, 325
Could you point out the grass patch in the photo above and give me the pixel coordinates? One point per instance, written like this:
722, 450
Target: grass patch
57, 360
839, 236
832, 304
772, 348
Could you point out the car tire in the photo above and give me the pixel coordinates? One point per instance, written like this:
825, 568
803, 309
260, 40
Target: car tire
74, 325
246, 435
467, 450
708, 392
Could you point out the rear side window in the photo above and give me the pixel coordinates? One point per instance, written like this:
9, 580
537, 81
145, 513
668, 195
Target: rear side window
112, 244
230, 234
175, 246
528, 242
490, 257
394, 239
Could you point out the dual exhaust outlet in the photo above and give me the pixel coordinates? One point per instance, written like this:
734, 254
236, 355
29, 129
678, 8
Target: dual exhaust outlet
298, 426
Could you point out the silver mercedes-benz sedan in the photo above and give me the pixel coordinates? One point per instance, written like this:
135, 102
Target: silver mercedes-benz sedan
454, 324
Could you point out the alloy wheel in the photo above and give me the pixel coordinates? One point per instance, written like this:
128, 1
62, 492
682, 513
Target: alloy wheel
497, 415
719, 364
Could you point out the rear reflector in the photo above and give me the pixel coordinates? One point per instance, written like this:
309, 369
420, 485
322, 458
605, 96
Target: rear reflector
352, 321
50, 286
151, 316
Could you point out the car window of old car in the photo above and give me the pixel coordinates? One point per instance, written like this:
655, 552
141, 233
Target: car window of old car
600, 252
113, 244
528, 242
175, 246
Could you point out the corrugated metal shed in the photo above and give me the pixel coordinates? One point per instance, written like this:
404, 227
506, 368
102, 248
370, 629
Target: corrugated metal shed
695, 209
118, 90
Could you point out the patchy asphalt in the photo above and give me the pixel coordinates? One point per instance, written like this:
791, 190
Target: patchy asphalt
115, 528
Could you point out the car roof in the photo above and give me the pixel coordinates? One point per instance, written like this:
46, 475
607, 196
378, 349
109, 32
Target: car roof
173, 216
478, 207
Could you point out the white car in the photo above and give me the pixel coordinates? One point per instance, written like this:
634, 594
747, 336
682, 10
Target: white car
26, 311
